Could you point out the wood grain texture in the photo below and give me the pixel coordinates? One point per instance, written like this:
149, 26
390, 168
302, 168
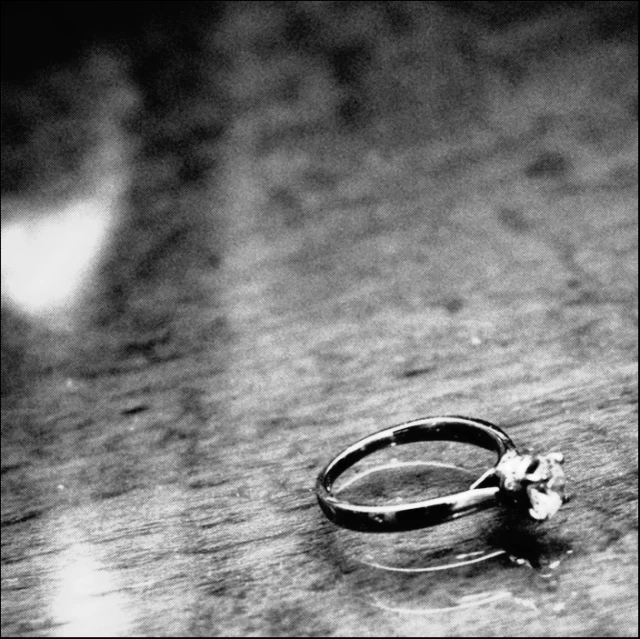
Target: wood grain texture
166, 486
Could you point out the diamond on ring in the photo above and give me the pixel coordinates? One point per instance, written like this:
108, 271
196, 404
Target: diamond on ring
537, 482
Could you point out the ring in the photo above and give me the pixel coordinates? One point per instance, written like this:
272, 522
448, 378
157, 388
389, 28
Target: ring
533, 484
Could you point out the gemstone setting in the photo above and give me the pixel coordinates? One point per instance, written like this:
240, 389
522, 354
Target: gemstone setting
535, 483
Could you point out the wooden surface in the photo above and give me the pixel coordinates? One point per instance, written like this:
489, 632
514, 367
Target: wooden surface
164, 485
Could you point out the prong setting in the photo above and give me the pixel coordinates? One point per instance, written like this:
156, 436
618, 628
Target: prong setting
534, 482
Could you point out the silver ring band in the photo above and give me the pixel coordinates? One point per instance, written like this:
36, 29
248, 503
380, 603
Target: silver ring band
514, 477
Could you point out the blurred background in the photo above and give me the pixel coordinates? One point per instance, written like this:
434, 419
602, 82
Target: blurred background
169, 127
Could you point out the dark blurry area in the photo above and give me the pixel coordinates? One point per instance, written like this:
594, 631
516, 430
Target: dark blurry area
173, 51
611, 18
45, 74
37, 35
159, 85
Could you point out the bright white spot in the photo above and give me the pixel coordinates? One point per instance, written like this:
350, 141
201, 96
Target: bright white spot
87, 602
48, 258
527, 603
